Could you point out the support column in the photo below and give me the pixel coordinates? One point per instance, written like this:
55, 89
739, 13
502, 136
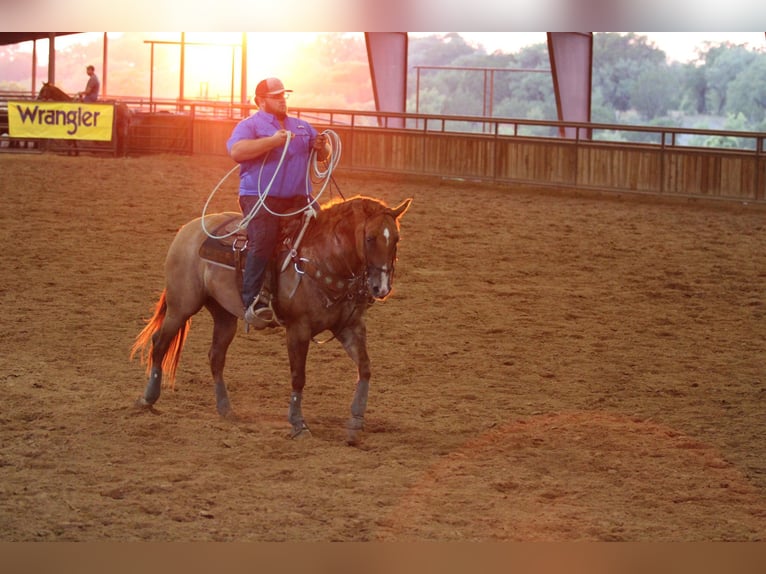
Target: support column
571, 56
52, 58
387, 55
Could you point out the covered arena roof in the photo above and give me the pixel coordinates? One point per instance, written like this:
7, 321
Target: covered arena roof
18, 37
387, 55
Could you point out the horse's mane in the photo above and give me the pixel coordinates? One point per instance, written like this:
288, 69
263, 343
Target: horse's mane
48, 86
343, 208
343, 213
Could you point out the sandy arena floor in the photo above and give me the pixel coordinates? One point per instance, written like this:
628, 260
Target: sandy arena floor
551, 366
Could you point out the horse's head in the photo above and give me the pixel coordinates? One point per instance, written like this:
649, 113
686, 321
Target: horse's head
376, 244
50, 92
44, 91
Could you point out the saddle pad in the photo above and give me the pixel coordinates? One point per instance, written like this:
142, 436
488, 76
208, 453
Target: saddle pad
225, 251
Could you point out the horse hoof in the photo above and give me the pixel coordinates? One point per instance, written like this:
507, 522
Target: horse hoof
353, 438
354, 428
141, 403
224, 409
301, 433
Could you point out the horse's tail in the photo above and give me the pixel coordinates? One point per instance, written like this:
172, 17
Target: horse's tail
145, 339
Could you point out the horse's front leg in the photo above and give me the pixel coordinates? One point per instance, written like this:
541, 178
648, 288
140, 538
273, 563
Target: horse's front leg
224, 330
298, 337
354, 341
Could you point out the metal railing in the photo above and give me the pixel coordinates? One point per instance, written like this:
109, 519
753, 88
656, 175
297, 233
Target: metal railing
660, 159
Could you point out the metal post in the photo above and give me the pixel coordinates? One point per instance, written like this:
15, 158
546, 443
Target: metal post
417, 91
231, 92
151, 78
52, 58
183, 57
243, 88
104, 68
34, 66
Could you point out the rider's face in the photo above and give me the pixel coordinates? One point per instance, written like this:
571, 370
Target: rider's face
275, 105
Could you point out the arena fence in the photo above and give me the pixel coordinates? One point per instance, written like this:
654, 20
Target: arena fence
496, 150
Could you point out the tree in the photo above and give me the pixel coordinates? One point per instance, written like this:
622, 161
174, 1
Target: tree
654, 92
746, 94
437, 50
722, 65
618, 59
694, 88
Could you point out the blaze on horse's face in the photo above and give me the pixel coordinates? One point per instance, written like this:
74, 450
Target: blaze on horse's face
381, 235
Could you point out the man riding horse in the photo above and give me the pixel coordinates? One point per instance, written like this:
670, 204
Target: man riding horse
270, 178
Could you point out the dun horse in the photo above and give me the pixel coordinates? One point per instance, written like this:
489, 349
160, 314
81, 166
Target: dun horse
345, 261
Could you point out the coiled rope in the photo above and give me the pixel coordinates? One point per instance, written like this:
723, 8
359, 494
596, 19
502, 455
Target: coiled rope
314, 172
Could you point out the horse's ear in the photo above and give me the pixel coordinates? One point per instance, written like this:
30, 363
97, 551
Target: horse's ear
399, 210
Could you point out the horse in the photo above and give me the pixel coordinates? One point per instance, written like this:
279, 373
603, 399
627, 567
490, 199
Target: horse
51, 92
343, 263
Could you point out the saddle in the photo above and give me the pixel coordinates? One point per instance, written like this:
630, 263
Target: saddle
231, 250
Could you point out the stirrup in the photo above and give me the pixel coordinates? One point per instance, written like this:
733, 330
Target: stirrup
259, 317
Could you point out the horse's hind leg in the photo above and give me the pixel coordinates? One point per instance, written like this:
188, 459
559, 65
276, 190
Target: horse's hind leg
162, 339
224, 330
354, 341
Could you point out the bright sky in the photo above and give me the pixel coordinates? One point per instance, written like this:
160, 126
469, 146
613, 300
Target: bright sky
679, 46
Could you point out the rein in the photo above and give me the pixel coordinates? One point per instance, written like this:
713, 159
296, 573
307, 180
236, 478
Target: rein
332, 287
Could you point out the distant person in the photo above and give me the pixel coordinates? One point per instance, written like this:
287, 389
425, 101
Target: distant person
90, 93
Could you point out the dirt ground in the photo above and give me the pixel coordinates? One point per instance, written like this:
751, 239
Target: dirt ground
551, 366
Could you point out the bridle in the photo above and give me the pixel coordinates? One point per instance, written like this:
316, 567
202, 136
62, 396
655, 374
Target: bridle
351, 286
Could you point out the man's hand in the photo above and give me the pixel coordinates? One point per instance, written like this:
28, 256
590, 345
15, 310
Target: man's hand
280, 137
320, 142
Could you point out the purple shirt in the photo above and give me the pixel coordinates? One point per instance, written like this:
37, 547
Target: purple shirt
291, 179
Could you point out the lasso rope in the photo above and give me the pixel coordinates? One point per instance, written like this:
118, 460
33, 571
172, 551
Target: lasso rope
312, 168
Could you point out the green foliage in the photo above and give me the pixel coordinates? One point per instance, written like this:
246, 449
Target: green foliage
735, 123
618, 61
494, 87
746, 94
694, 89
722, 66
438, 50
653, 92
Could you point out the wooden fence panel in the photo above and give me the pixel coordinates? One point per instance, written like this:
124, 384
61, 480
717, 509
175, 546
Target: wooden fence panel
586, 164
534, 161
717, 174
469, 157
608, 166
624, 169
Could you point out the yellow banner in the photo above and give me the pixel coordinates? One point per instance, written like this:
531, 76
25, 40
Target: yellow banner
60, 120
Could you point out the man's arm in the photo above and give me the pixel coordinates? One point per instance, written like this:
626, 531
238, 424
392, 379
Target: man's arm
248, 149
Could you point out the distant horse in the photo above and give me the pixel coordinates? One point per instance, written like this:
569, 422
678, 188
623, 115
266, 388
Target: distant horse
344, 263
122, 114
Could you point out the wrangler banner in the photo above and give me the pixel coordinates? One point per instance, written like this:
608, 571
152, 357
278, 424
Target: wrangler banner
60, 120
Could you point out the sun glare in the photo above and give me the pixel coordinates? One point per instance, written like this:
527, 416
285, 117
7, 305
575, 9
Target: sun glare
213, 60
